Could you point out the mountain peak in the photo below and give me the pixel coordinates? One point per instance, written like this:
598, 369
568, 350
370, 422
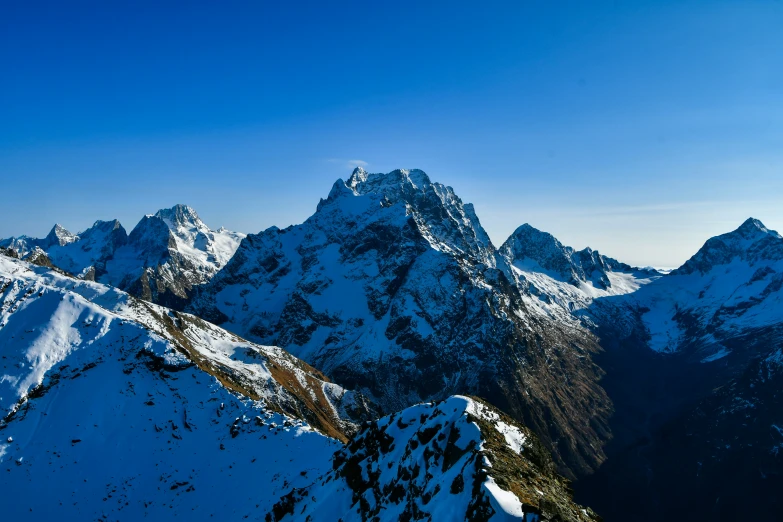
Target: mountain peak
179, 215
364, 182
59, 235
753, 227
359, 175
751, 242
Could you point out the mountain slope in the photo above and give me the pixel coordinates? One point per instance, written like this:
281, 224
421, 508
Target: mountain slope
730, 286
693, 366
459, 459
127, 410
393, 288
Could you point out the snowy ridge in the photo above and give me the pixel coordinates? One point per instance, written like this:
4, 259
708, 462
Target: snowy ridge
459, 459
45, 318
141, 410
107, 404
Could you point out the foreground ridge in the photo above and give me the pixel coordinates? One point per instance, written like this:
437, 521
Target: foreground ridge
459, 459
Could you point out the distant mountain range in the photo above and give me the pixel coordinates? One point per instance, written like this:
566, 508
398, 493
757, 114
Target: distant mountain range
393, 289
161, 260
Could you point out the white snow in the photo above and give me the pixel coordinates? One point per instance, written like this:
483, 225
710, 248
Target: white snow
108, 436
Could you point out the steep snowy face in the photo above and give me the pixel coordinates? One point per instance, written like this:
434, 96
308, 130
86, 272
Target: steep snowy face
731, 287
529, 246
128, 410
59, 236
557, 280
459, 459
209, 249
167, 254
392, 288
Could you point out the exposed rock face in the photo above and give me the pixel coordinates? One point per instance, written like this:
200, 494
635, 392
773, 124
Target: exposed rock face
393, 288
459, 459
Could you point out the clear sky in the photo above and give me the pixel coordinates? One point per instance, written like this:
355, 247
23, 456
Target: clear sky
638, 128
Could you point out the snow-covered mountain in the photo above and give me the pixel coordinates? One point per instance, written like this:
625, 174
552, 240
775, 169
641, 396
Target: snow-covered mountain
393, 288
728, 289
169, 253
559, 280
694, 370
459, 459
125, 409
163, 257
128, 410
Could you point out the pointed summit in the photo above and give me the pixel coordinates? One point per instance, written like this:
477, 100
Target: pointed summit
751, 242
359, 175
179, 215
528, 244
752, 227
59, 235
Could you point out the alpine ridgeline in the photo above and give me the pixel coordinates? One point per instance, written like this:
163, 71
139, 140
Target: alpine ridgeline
393, 288
459, 459
161, 260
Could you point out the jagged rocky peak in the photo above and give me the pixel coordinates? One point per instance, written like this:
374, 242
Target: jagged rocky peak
179, 215
459, 459
532, 249
59, 235
112, 232
152, 234
752, 242
753, 228
443, 219
530, 245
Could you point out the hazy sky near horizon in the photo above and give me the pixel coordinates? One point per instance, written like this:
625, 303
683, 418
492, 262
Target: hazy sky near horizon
637, 128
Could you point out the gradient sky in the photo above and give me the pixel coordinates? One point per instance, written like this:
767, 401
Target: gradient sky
637, 128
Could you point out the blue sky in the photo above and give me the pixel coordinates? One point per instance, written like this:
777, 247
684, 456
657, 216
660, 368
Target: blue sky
637, 128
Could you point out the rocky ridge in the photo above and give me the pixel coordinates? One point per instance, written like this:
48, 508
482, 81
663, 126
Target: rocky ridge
459, 459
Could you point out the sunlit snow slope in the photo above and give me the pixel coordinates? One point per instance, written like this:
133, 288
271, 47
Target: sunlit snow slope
118, 409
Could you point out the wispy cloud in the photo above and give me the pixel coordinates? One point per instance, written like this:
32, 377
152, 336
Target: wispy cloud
349, 163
